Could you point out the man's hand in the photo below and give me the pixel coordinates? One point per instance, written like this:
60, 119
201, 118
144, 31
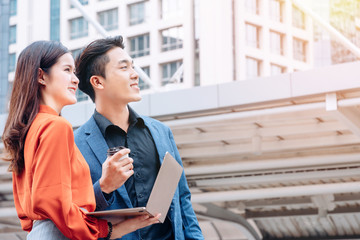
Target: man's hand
115, 172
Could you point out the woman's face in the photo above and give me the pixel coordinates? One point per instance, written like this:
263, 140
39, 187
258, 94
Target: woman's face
60, 83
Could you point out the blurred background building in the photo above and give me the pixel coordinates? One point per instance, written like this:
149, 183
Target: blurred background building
229, 40
345, 16
265, 122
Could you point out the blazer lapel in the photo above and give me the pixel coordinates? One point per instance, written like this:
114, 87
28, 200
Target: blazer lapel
162, 144
159, 140
97, 144
99, 147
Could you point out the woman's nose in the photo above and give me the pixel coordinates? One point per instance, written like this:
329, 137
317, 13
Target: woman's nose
75, 79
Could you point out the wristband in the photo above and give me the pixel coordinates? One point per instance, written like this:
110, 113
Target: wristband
110, 231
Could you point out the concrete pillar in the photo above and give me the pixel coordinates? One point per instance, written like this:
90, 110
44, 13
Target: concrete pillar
189, 44
216, 41
240, 40
155, 73
288, 41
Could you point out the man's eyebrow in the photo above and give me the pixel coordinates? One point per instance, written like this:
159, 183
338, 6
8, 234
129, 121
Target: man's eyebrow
126, 61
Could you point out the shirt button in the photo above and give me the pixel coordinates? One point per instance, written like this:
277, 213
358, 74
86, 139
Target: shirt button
138, 174
140, 195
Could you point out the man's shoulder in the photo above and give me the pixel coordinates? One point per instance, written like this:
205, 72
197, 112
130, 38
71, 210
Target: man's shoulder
154, 122
84, 128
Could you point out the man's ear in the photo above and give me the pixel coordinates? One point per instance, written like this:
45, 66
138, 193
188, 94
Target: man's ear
41, 77
97, 82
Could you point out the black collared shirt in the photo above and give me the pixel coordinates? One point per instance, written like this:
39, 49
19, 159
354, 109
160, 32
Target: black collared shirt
146, 165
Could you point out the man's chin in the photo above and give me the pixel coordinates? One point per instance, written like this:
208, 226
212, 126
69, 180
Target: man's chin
137, 99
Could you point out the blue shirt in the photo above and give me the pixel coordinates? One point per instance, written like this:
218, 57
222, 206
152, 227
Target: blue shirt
146, 165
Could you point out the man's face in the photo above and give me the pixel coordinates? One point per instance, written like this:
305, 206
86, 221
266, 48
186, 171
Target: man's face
122, 82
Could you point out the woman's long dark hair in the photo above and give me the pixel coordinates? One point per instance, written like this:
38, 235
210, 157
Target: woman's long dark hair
25, 97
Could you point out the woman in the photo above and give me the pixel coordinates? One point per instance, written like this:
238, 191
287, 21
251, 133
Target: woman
51, 180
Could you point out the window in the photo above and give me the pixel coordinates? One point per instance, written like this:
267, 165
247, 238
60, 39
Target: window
252, 36
252, 6
12, 62
55, 20
109, 19
197, 42
197, 70
13, 7
276, 69
252, 67
12, 34
276, 43
78, 28
172, 38
276, 10
168, 70
140, 46
83, 2
171, 8
298, 18
136, 13
142, 84
9, 87
299, 49
80, 95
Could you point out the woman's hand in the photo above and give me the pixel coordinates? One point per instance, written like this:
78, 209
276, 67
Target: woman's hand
133, 224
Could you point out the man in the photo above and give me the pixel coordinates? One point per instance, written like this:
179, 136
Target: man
107, 75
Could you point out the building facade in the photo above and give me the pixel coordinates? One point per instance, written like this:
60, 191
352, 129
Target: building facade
228, 41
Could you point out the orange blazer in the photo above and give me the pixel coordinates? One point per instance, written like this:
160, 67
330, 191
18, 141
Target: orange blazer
56, 182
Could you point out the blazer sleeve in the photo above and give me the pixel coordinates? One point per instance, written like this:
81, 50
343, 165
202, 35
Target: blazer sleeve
192, 229
51, 188
102, 203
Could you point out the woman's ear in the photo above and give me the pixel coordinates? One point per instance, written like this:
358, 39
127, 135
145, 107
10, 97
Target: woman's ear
41, 78
97, 82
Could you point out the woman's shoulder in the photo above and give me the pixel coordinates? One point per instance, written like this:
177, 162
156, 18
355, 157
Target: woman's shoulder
51, 122
53, 119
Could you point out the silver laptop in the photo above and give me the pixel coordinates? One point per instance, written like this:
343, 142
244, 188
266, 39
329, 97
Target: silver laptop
160, 197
